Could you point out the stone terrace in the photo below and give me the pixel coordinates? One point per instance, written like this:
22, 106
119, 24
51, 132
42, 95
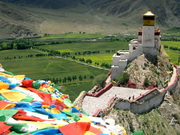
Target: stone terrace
91, 104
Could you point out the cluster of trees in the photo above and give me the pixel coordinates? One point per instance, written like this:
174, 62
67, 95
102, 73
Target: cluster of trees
27, 56
106, 65
70, 78
18, 57
122, 39
170, 39
23, 43
87, 52
172, 48
61, 42
82, 59
92, 52
19, 44
89, 61
50, 52
6, 46
109, 51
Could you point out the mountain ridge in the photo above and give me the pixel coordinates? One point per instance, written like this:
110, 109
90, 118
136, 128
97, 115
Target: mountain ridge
32, 17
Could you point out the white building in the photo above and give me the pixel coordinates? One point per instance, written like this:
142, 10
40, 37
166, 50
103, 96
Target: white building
148, 42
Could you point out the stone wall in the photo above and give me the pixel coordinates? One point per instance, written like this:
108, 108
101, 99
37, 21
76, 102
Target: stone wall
152, 99
102, 91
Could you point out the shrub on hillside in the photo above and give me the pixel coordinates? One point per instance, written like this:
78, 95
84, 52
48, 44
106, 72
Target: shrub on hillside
146, 82
100, 80
123, 78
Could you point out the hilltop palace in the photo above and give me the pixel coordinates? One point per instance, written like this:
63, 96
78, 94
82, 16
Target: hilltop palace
99, 103
148, 43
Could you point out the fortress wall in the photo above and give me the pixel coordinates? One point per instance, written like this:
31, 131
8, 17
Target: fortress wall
147, 105
151, 99
123, 105
142, 104
108, 86
148, 95
178, 69
103, 90
173, 82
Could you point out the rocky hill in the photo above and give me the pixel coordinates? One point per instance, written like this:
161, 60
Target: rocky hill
147, 73
16, 22
53, 4
168, 11
22, 17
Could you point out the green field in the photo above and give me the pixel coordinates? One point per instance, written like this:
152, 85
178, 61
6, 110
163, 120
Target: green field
73, 35
73, 89
171, 43
173, 55
101, 58
12, 53
41, 68
88, 46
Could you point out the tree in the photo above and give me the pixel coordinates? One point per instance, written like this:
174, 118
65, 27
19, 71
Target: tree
100, 80
146, 82
64, 79
69, 79
91, 77
80, 78
60, 80
81, 59
24, 43
89, 61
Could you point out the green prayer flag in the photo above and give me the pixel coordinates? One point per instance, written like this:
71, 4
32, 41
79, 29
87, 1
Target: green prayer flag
7, 114
2, 98
17, 127
36, 85
74, 116
27, 99
7, 72
67, 101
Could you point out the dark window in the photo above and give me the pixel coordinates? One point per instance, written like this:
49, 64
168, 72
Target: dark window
148, 17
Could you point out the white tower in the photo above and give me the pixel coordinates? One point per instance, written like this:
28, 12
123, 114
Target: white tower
148, 34
148, 43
